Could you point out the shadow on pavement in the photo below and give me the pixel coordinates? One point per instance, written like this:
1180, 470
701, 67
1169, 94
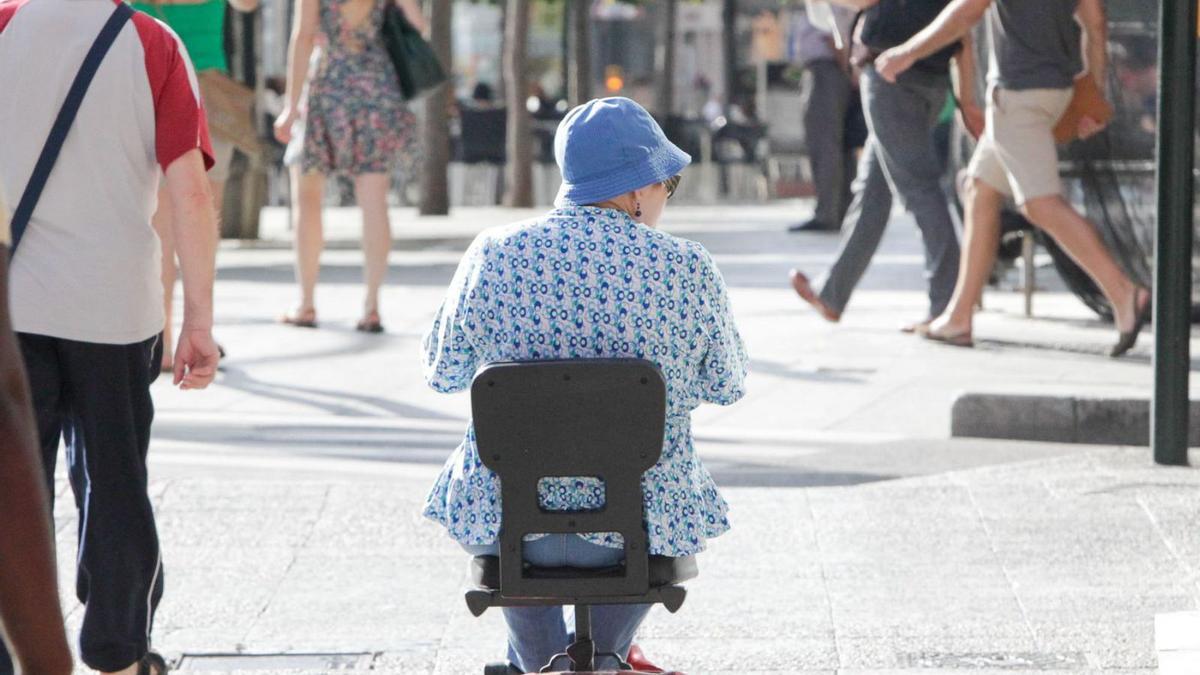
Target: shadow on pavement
421, 274
329, 401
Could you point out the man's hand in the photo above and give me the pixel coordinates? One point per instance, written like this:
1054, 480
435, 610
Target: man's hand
893, 62
973, 119
196, 358
1089, 127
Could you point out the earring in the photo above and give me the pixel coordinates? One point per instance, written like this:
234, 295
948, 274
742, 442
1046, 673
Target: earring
638, 210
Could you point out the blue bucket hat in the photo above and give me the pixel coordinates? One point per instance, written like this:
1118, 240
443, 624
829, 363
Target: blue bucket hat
610, 146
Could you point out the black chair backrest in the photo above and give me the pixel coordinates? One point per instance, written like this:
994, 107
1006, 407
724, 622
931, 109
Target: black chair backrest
601, 418
483, 135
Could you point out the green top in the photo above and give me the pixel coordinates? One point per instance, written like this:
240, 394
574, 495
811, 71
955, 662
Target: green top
201, 26
949, 109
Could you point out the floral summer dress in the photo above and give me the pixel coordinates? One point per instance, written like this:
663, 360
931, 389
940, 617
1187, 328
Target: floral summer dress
586, 282
357, 121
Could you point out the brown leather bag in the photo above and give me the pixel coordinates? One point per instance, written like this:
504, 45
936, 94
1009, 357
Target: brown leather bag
1086, 101
230, 108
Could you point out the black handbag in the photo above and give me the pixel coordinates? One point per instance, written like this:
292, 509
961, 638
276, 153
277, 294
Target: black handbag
417, 68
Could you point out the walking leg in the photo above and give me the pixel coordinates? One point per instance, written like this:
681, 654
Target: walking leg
308, 190
862, 231
107, 431
371, 191
981, 238
1082, 242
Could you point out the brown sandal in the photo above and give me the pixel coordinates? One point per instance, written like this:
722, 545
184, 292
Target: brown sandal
304, 319
962, 339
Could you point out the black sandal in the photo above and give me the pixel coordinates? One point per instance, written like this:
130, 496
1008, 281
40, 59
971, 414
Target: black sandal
153, 664
1129, 338
370, 324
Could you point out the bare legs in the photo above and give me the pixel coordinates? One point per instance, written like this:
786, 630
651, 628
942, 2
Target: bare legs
371, 192
1060, 220
308, 189
170, 270
1080, 240
981, 236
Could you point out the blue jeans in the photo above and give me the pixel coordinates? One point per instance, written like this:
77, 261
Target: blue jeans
536, 634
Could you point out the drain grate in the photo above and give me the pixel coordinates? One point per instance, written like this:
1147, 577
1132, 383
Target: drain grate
998, 660
228, 662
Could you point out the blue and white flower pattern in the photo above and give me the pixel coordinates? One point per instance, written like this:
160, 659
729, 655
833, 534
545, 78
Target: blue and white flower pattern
588, 282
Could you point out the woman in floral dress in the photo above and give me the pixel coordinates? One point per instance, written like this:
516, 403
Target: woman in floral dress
356, 123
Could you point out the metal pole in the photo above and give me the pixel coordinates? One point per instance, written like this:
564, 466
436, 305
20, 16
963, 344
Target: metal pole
1173, 250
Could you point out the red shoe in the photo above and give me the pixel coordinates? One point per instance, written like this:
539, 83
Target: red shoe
637, 659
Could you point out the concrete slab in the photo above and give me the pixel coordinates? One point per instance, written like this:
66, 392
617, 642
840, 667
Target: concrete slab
1059, 418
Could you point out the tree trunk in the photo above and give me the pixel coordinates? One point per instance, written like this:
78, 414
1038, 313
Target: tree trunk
579, 68
435, 191
664, 60
519, 171
729, 15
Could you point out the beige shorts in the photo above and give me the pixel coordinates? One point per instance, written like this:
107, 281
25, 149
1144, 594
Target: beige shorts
1017, 154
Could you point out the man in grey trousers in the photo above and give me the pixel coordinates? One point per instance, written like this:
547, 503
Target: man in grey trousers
828, 90
899, 161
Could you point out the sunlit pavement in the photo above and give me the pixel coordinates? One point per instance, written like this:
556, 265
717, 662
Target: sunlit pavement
865, 538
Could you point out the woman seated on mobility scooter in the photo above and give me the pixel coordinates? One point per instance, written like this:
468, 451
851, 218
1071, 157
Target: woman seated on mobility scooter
591, 279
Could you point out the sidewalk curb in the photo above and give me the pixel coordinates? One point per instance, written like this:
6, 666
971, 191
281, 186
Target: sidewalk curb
1059, 419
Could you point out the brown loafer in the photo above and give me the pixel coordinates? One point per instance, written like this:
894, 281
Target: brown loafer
804, 289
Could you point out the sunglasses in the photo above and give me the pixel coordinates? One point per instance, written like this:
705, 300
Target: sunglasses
672, 184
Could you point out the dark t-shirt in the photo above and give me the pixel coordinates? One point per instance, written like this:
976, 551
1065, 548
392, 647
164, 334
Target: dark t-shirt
892, 22
1035, 44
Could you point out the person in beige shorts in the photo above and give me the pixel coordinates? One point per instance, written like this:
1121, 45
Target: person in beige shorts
1036, 54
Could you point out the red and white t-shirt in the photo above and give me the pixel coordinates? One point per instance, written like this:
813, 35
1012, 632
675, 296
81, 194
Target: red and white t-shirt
89, 264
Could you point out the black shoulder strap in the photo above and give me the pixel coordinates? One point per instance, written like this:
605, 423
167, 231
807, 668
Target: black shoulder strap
62, 123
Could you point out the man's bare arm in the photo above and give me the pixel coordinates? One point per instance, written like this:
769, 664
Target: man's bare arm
1095, 39
194, 224
963, 81
29, 611
950, 26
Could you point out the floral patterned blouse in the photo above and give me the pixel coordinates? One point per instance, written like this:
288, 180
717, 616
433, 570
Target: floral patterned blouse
587, 282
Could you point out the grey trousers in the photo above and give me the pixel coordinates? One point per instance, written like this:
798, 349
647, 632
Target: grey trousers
899, 159
827, 97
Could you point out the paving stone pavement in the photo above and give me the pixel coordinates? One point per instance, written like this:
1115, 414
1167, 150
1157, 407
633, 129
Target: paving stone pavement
865, 539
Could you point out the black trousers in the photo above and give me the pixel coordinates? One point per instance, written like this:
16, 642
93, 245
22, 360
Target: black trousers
96, 397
